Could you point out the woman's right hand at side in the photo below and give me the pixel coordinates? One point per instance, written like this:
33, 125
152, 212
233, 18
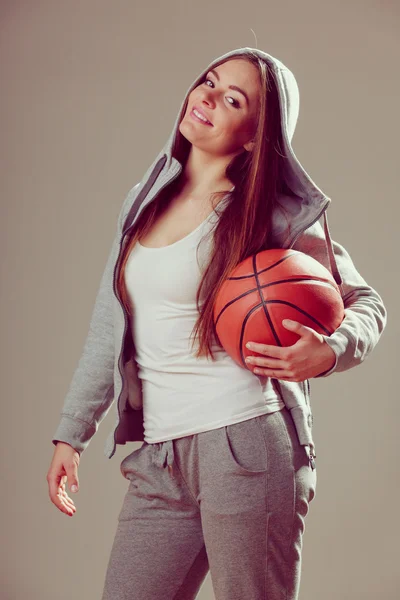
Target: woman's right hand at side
63, 468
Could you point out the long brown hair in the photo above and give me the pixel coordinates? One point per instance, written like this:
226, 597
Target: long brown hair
244, 227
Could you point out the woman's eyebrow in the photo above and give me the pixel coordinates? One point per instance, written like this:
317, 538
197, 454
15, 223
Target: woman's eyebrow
232, 87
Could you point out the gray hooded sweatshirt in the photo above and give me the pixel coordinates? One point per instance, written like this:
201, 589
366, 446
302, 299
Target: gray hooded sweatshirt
106, 370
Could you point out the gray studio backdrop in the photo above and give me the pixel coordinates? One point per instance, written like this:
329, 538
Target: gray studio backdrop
90, 91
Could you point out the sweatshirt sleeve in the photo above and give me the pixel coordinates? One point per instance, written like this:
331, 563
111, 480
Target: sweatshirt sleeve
365, 313
91, 391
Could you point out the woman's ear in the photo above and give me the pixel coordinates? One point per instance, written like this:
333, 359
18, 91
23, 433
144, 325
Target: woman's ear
249, 146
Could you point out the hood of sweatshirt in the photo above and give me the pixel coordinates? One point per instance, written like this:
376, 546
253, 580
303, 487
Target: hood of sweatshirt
308, 201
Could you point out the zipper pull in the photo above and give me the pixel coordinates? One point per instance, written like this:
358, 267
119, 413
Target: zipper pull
312, 456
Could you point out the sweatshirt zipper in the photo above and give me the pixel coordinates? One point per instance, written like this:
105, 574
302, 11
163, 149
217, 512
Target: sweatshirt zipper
123, 337
124, 311
312, 457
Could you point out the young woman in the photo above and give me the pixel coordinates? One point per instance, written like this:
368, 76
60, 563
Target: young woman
226, 472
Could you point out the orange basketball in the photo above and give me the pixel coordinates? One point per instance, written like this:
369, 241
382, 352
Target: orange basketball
267, 288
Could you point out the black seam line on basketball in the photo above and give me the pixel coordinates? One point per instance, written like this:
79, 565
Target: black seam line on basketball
318, 280
304, 312
267, 268
242, 329
292, 306
270, 285
247, 317
294, 279
265, 308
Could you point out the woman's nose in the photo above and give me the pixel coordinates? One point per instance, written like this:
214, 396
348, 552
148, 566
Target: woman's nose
208, 97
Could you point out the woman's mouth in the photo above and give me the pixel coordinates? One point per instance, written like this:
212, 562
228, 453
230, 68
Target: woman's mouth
199, 117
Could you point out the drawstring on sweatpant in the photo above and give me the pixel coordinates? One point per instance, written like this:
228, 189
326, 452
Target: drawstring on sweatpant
163, 453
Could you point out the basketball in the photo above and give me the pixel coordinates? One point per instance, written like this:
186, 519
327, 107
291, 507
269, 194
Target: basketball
267, 288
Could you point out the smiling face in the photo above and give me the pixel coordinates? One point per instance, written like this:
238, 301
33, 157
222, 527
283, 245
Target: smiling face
229, 99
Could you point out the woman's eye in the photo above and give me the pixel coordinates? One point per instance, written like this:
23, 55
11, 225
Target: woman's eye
235, 103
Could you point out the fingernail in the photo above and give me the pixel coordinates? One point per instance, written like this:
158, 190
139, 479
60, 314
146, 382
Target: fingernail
74, 488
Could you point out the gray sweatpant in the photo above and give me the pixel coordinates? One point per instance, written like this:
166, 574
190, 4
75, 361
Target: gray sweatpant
231, 501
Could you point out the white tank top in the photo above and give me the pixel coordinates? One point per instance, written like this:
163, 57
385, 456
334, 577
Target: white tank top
182, 394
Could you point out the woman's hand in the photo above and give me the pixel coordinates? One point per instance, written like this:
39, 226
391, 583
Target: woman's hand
64, 466
308, 357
